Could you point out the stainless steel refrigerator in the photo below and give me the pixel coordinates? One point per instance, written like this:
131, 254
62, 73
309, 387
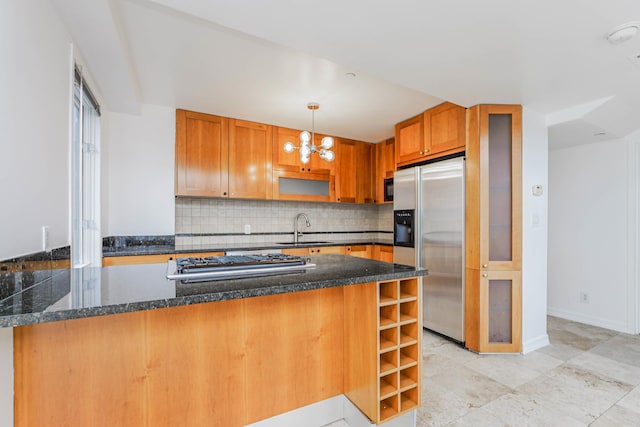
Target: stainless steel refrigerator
429, 232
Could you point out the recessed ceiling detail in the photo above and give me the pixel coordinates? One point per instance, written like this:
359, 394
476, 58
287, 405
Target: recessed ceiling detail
223, 57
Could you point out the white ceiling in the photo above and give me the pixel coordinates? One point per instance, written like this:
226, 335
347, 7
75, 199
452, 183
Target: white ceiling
264, 61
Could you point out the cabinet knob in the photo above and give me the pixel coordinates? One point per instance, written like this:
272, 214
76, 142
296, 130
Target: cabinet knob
308, 169
426, 151
485, 275
485, 265
224, 194
348, 249
422, 152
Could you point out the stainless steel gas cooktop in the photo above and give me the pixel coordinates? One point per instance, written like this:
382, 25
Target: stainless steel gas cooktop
234, 266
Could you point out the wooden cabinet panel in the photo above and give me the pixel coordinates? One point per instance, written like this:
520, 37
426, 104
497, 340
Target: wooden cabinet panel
493, 228
250, 156
361, 251
180, 376
444, 128
409, 143
290, 162
383, 253
282, 160
346, 171
361, 347
385, 167
383, 376
354, 174
201, 155
290, 337
365, 171
328, 250
74, 373
439, 131
222, 364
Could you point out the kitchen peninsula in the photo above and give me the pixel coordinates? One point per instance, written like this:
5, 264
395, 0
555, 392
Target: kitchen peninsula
123, 345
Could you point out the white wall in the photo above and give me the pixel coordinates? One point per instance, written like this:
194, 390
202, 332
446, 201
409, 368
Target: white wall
592, 233
35, 79
138, 170
534, 231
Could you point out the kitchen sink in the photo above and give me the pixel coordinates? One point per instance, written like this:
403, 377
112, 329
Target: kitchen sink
306, 242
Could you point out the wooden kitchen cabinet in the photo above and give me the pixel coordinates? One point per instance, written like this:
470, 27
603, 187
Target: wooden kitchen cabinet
365, 172
444, 129
493, 309
361, 251
290, 162
409, 144
354, 172
382, 347
437, 132
250, 157
201, 155
220, 157
385, 167
346, 153
319, 250
382, 253
293, 180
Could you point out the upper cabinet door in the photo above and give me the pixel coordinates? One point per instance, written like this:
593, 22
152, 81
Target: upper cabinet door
365, 171
410, 140
316, 164
250, 157
281, 159
346, 172
494, 188
290, 162
444, 128
201, 155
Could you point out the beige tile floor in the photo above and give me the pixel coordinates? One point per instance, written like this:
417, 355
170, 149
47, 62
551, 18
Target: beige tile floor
587, 376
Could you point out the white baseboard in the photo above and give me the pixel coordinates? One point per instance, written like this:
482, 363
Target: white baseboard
328, 411
535, 343
315, 415
6, 377
590, 320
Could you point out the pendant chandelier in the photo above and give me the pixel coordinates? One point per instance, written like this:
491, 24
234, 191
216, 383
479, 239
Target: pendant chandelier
307, 142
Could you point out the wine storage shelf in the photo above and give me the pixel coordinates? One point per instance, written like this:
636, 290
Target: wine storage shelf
399, 358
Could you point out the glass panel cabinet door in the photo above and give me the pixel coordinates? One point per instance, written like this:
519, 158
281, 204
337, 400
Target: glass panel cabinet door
500, 187
503, 311
501, 192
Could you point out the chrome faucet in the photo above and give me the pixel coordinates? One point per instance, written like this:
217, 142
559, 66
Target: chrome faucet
296, 232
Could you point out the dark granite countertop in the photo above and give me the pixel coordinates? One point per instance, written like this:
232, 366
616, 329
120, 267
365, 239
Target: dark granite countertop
52, 295
170, 249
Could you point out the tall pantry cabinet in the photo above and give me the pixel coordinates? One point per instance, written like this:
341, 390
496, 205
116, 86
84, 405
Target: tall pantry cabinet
494, 229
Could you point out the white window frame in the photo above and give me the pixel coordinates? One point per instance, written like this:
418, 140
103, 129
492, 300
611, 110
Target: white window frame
86, 241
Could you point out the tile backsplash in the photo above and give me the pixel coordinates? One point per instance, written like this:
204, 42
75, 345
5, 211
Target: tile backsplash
205, 221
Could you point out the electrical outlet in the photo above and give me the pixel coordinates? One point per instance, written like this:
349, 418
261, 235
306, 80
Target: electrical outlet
584, 297
247, 229
45, 237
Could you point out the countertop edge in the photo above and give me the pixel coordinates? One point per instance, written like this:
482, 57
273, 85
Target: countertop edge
18, 320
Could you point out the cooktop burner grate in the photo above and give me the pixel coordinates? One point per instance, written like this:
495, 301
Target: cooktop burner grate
234, 266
